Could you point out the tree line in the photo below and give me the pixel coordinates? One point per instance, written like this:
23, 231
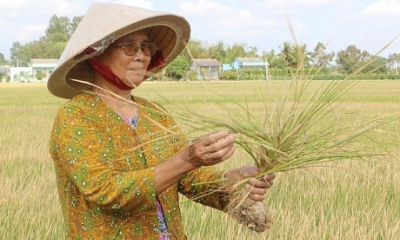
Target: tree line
291, 56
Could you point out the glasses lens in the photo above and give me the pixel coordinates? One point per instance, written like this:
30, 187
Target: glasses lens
152, 48
145, 48
148, 48
131, 49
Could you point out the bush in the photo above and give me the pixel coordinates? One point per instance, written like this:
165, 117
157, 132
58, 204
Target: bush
40, 76
191, 76
286, 74
228, 75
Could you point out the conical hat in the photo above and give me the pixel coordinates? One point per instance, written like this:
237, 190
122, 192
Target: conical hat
104, 23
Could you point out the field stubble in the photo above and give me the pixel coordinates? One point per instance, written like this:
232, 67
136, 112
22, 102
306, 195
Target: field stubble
340, 200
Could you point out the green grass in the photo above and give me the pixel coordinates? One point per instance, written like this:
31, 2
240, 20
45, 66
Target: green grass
345, 200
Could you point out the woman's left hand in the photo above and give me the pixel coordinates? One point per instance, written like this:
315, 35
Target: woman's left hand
257, 186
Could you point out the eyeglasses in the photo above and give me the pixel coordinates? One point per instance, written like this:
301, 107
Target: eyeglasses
131, 48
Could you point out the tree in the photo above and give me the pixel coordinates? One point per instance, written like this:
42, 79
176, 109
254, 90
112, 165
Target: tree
177, 68
287, 53
394, 62
3, 60
51, 45
237, 50
18, 57
301, 57
268, 56
374, 64
59, 29
349, 59
319, 57
295, 55
192, 51
353, 59
218, 51
74, 24
58, 33
278, 62
252, 51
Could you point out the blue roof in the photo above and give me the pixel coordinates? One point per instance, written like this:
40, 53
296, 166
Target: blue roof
250, 61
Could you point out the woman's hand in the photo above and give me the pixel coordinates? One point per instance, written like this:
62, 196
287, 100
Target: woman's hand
213, 149
256, 187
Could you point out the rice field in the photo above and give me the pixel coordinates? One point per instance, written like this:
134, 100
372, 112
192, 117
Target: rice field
345, 200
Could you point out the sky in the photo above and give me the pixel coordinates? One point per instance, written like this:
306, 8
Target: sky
266, 24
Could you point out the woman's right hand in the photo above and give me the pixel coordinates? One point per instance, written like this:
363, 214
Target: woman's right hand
212, 149
207, 151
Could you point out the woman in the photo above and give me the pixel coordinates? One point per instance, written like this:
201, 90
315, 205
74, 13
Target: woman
120, 160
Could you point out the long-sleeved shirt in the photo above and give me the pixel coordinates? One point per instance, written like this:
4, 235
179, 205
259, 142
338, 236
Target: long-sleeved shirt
105, 171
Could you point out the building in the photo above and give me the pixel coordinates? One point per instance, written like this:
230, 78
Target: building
226, 67
206, 68
248, 63
42, 68
20, 74
4, 72
39, 70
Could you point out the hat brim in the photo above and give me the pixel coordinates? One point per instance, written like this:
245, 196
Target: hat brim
168, 31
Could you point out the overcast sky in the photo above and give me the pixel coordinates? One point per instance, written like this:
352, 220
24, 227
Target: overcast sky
368, 24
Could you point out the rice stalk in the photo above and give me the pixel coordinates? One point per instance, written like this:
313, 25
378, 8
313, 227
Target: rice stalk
300, 131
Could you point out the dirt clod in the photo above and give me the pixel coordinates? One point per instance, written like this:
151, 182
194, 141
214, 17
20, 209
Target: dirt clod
253, 214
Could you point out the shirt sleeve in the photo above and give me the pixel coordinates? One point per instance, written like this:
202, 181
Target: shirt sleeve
87, 157
202, 186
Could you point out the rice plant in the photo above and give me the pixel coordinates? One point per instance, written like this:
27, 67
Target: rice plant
301, 130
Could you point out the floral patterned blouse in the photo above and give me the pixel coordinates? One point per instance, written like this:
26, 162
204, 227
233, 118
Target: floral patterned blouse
162, 224
105, 171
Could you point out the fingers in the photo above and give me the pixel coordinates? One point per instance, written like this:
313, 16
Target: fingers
257, 194
211, 150
215, 137
258, 187
248, 171
269, 177
220, 148
257, 183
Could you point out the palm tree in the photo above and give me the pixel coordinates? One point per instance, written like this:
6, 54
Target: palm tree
301, 57
287, 53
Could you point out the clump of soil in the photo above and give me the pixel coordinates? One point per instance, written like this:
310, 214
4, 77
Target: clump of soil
253, 214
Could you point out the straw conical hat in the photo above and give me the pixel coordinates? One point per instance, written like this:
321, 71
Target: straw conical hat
104, 23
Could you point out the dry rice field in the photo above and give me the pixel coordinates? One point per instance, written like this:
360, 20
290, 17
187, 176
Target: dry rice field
346, 200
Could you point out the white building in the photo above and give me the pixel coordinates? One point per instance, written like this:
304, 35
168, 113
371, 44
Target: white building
43, 68
39, 70
20, 74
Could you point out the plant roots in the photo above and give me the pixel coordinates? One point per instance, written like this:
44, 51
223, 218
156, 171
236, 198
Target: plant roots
253, 214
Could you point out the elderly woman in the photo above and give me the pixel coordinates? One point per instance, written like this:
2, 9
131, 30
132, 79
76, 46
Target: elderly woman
119, 169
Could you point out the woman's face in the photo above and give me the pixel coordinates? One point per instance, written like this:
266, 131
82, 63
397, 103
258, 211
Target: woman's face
130, 69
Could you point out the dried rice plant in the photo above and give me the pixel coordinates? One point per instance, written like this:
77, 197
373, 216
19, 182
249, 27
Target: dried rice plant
302, 130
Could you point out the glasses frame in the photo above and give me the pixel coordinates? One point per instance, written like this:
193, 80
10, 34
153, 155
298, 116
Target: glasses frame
152, 48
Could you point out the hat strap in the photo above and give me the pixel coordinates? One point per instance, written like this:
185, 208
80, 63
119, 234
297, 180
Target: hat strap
107, 74
157, 60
